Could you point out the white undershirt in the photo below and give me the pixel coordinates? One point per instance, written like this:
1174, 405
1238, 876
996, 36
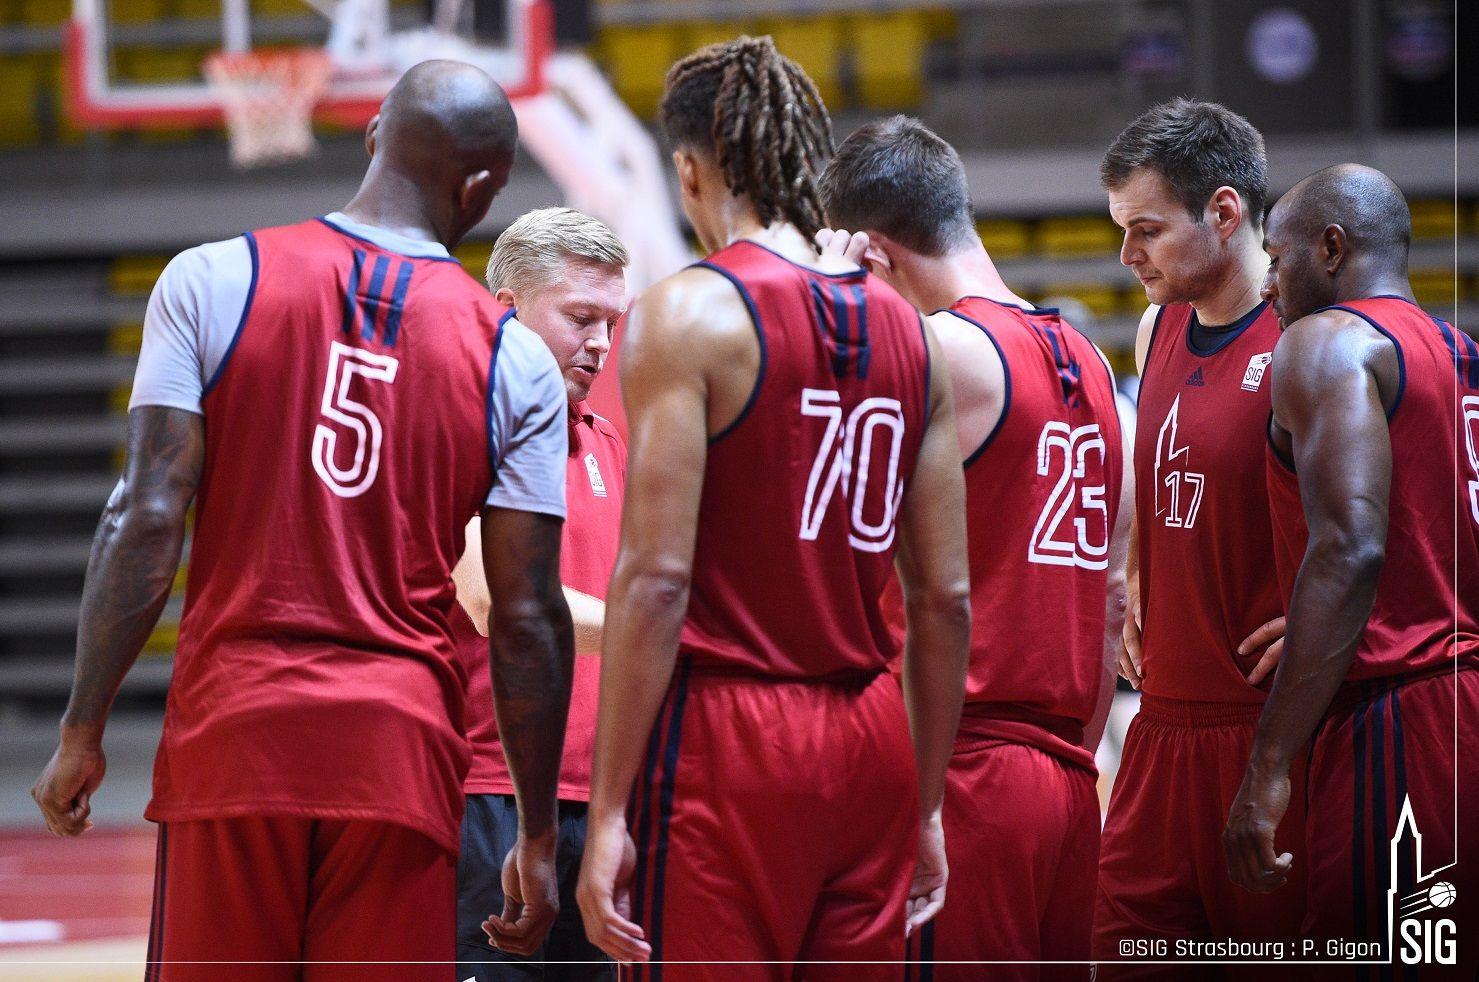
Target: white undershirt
198, 304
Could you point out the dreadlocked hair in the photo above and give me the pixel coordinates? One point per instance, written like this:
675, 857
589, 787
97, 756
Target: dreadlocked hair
763, 118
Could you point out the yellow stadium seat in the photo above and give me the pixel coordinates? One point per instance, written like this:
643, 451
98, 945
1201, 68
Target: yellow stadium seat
278, 8
126, 339
136, 11
1433, 220
814, 43
134, 276
1102, 301
940, 24
637, 59
888, 58
45, 13
1004, 239
151, 64
1077, 236
474, 258
165, 638
20, 80
195, 9
1433, 287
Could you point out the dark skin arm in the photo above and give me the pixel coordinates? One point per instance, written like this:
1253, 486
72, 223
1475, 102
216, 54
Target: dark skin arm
134, 558
531, 644
1334, 379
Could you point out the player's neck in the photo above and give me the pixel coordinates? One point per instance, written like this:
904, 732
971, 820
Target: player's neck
1360, 283
390, 201
937, 282
1238, 290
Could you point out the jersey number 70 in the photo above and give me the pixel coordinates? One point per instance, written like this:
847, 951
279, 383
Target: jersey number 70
847, 459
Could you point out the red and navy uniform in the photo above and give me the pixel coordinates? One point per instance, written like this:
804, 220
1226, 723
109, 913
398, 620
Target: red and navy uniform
595, 479
1390, 734
1205, 547
776, 815
317, 694
1042, 493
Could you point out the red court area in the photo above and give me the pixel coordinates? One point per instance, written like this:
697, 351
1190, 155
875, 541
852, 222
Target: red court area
91, 888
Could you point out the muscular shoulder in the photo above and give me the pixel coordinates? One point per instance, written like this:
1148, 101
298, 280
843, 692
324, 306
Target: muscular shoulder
696, 310
1327, 352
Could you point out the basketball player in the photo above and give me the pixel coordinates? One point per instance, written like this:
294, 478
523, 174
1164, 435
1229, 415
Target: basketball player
791, 431
338, 398
1039, 433
564, 274
1378, 554
1187, 182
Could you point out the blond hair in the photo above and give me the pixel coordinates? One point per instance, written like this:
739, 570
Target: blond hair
531, 253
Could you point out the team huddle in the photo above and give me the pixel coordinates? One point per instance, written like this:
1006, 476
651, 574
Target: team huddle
812, 674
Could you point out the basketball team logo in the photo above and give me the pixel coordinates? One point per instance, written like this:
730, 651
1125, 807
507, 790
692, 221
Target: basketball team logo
593, 471
1178, 492
1253, 375
1419, 904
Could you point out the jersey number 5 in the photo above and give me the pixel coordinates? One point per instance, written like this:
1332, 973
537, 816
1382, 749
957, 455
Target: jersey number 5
846, 458
1080, 488
357, 419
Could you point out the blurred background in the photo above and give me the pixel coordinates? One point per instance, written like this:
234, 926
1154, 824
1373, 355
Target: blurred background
1030, 91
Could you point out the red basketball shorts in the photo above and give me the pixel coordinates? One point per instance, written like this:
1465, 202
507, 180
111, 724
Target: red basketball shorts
1022, 837
1373, 753
294, 894
775, 822
1162, 869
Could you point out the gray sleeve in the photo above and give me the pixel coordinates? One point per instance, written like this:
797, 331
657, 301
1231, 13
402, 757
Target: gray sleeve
528, 422
194, 314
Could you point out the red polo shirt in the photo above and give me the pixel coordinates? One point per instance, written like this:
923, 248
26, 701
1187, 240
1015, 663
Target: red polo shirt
594, 479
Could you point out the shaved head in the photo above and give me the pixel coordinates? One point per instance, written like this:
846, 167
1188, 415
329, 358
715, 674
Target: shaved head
1361, 200
444, 138
1342, 233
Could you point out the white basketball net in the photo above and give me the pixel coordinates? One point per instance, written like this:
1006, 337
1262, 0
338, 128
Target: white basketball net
268, 97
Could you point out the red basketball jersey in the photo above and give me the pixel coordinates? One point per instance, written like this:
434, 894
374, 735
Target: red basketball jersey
595, 477
1206, 544
801, 493
347, 445
1042, 494
1427, 597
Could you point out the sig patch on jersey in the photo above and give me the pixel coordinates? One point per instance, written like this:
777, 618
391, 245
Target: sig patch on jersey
593, 471
1257, 365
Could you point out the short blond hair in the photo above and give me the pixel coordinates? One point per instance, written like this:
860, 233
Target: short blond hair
531, 253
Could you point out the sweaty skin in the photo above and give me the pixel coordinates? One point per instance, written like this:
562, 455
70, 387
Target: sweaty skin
440, 150
689, 362
1334, 380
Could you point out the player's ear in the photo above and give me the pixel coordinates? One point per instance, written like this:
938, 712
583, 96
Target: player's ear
371, 132
687, 167
877, 260
1225, 211
1334, 248
505, 296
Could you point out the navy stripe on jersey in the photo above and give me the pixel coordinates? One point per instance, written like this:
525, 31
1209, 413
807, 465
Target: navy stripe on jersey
1358, 822
246, 309
1068, 369
156, 933
371, 300
665, 813
398, 302
835, 310
1465, 362
360, 238
927, 952
642, 818
351, 293
865, 350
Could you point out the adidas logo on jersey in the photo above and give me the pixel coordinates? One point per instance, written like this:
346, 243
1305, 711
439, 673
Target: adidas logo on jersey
1195, 378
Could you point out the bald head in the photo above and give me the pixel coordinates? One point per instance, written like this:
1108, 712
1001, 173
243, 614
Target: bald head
445, 114
1361, 200
1340, 234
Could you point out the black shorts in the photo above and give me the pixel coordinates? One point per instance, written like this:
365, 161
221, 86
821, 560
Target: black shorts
488, 832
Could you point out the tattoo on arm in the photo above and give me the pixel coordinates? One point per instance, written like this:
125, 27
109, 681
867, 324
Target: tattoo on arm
134, 555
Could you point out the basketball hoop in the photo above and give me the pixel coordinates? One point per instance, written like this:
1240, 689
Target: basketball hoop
268, 97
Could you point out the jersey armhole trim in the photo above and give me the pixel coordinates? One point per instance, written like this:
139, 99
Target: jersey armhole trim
1469, 352
508, 315
1401, 357
1268, 436
246, 310
1006, 402
759, 337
